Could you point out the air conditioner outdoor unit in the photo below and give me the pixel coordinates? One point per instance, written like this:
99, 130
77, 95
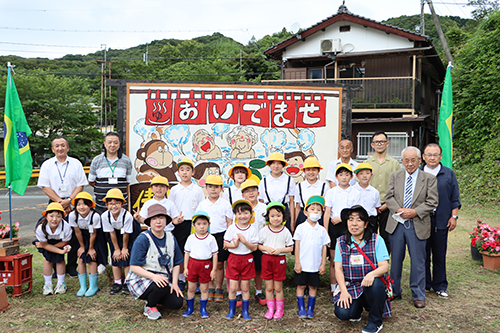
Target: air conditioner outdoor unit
330, 45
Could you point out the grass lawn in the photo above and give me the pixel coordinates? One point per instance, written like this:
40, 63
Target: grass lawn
474, 304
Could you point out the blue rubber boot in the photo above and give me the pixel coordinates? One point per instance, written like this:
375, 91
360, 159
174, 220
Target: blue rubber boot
300, 303
83, 285
203, 308
232, 309
92, 285
310, 307
244, 310
190, 309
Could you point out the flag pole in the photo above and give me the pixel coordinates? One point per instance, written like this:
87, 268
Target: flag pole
9, 67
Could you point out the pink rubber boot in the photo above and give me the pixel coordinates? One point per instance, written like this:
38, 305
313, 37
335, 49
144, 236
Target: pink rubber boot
270, 311
280, 309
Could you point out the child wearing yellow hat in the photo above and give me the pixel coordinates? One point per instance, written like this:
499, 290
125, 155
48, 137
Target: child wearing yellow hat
368, 196
238, 173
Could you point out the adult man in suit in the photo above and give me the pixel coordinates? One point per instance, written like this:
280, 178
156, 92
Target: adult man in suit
412, 195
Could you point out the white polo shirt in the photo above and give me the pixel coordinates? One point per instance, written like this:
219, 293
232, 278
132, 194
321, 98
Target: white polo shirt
276, 188
218, 211
186, 199
308, 190
84, 222
124, 222
169, 206
369, 198
312, 239
275, 239
63, 178
250, 233
63, 234
337, 199
235, 194
330, 176
201, 248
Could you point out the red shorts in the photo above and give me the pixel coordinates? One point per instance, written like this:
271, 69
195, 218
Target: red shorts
273, 267
199, 269
240, 266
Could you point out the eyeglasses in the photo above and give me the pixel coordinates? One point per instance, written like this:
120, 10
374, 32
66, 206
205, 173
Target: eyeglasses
380, 142
432, 155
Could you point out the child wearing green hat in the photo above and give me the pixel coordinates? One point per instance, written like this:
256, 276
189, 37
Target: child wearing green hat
311, 241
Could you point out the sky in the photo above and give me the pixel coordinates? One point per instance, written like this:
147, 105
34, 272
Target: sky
54, 28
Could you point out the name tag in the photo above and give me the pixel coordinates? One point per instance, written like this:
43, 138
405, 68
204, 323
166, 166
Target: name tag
91, 229
357, 260
113, 180
122, 231
61, 235
63, 188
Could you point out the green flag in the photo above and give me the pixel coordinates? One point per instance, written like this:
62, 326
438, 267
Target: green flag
18, 161
445, 125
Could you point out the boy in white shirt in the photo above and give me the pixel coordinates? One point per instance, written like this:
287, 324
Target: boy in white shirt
250, 192
337, 198
221, 217
311, 241
368, 195
186, 196
306, 189
238, 173
241, 239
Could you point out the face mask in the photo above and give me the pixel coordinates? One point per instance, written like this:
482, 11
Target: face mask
314, 217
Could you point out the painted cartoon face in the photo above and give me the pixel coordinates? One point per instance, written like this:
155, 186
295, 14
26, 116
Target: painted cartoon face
159, 157
242, 141
203, 143
208, 172
294, 165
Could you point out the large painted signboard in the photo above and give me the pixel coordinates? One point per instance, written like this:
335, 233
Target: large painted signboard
218, 126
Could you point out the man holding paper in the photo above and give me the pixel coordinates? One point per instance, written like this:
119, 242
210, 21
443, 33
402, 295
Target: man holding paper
411, 196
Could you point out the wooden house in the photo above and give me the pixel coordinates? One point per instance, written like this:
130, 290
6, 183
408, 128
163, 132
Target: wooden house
396, 75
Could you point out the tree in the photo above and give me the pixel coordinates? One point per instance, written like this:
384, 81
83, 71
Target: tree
58, 106
483, 8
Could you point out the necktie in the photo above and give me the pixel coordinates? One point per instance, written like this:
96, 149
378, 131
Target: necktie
408, 193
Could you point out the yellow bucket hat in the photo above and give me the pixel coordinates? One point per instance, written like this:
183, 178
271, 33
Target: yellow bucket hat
85, 196
159, 180
276, 157
185, 160
248, 183
214, 180
54, 206
311, 162
239, 165
343, 165
114, 193
363, 166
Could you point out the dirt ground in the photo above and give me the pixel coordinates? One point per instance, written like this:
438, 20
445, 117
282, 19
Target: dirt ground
474, 306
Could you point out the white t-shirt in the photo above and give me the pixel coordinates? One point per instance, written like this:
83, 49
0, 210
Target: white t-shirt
312, 239
369, 198
308, 190
276, 188
250, 233
201, 248
260, 212
84, 222
63, 178
275, 239
332, 168
123, 223
235, 194
218, 211
186, 199
61, 233
169, 206
337, 199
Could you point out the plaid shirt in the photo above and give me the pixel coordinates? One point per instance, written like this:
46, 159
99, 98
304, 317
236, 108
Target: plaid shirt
354, 274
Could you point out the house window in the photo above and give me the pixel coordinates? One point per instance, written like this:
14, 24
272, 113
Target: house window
345, 28
398, 141
315, 74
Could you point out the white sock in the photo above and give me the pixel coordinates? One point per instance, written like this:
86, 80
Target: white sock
334, 286
48, 279
258, 292
60, 278
181, 277
118, 281
238, 293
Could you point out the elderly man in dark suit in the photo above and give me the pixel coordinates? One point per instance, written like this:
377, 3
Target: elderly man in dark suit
412, 195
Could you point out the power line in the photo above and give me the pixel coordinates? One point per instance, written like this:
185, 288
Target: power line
144, 75
120, 31
49, 45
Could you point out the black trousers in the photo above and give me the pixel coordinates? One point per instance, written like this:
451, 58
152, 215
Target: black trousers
155, 295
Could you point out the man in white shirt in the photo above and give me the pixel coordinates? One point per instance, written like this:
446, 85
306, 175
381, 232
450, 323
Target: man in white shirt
345, 151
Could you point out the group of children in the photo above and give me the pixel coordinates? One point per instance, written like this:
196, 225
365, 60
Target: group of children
241, 234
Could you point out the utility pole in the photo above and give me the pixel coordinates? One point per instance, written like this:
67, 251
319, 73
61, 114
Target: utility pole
422, 18
440, 32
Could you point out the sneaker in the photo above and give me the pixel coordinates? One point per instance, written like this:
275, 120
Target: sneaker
239, 300
218, 295
60, 288
372, 328
355, 320
125, 290
47, 290
152, 313
101, 269
115, 289
261, 299
442, 294
211, 294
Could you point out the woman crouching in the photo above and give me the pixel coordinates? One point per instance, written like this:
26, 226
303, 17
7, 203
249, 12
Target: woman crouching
359, 283
154, 265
